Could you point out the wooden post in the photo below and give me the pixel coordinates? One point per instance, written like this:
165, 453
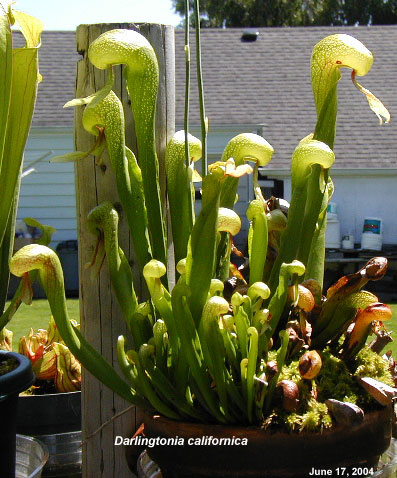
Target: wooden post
100, 315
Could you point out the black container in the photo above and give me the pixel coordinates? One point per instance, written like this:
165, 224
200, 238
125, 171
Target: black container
49, 413
11, 385
55, 419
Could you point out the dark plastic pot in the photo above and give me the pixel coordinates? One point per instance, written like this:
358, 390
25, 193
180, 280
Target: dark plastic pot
275, 455
55, 419
11, 385
49, 413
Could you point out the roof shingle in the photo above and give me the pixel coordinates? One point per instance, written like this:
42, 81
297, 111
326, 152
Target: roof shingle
268, 82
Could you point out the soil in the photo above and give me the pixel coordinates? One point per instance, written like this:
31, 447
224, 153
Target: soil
8, 365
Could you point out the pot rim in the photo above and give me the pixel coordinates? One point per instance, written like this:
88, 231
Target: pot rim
216, 428
285, 453
17, 380
67, 394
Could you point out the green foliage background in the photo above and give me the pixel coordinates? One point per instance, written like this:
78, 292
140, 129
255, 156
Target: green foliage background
266, 13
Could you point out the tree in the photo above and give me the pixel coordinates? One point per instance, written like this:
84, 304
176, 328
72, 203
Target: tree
256, 13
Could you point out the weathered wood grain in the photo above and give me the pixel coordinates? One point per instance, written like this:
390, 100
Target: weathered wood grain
100, 314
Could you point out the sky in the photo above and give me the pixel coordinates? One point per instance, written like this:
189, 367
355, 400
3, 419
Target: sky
67, 14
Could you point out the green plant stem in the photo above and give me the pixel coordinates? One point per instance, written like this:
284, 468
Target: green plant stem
167, 389
144, 114
203, 119
309, 154
312, 241
187, 82
5, 80
186, 113
245, 146
164, 307
277, 303
6, 248
214, 356
316, 257
104, 220
179, 189
202, 247
126, 366
258, 247
147, 388
114, 132
191, 350
230, 351
159, 331
137, 214
252, 334
242, 325
106, 111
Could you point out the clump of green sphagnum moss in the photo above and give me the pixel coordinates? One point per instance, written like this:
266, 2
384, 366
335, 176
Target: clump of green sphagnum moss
336, 380
371, 364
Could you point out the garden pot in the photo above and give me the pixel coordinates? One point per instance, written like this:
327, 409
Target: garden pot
55, 419
267, 454
11, 384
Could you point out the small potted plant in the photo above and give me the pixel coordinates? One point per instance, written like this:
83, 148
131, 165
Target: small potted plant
52, 404
16, 375
266, 358
50, 409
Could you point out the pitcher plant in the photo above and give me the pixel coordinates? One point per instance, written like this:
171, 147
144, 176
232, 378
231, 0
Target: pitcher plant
266, 349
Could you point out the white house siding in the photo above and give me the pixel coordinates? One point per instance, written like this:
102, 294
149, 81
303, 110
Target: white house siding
360, 194
48, 194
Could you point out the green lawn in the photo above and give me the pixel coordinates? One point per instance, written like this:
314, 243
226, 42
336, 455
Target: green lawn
37, 316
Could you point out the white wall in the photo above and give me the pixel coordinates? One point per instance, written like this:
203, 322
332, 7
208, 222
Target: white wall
48, 194
367, 196
360, 194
